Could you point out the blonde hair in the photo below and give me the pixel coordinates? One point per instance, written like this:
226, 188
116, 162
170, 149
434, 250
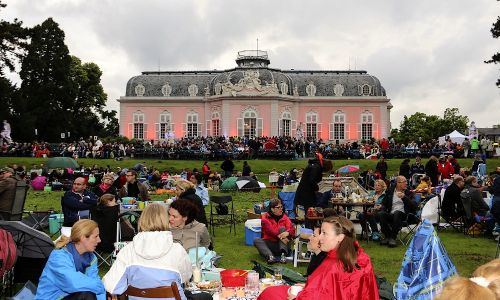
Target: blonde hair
485, 284
382, 183
184, 184
83, 227
153, 218
105, 199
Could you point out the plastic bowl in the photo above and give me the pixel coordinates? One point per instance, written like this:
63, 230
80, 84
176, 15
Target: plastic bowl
233, 277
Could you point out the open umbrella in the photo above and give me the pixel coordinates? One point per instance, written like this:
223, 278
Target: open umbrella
30, 242
61, 163
348, 169
248, 184
426, 266
229, 184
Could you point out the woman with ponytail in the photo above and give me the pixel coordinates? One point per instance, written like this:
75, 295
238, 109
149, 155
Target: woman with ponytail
345, 273
71, 272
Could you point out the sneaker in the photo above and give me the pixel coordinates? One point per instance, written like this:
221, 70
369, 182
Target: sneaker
384, 242
271, 260
375, 236
283, 258
392, 243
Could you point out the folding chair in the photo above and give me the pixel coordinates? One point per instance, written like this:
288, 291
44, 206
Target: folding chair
171, 291
411, 223
17, 209
214, 215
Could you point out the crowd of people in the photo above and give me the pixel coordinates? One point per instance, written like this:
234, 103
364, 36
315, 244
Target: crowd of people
339, 267
216, 148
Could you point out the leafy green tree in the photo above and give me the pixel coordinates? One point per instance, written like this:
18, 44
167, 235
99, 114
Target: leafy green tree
495, 32
12, 42
64, 94
420, 126
452, 120
45, 74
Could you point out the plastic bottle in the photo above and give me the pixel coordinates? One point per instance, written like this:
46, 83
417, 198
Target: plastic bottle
196, 274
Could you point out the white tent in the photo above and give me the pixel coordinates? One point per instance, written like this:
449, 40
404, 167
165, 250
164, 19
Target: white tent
455, 136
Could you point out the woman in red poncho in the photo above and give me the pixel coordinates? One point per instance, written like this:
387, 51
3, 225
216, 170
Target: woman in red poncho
346, 272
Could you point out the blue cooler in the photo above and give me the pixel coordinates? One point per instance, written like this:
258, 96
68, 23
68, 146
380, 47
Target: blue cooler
252, 231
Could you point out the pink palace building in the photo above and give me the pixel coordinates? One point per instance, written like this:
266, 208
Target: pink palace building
253, 99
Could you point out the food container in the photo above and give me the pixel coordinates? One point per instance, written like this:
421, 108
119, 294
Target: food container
233, 277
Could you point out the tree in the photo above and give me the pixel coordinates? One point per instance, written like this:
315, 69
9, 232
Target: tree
60, 93
422, 127
495, 32
46, 82
12, 42
453, 121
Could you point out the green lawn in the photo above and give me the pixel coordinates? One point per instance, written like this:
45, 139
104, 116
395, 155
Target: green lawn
467, 253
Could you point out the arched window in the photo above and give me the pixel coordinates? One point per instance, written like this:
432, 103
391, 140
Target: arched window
165, 125
249, 125
215, 123
139, 127
366, 125
312, 125
337, 127
285, 124
192, 126
366, 90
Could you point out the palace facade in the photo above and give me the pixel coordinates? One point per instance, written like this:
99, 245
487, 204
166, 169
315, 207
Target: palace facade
253, 99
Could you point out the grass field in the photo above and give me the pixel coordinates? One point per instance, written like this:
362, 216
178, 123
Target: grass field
467, 253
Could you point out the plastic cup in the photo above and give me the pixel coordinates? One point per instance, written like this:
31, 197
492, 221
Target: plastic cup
140, 204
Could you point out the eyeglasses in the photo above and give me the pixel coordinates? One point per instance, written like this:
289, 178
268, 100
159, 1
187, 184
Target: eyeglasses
278, 207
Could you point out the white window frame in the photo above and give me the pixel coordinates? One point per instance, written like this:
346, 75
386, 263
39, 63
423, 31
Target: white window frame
285, 124
338, 126
192, 125
138, 127
313, 127
366, 127
164, 125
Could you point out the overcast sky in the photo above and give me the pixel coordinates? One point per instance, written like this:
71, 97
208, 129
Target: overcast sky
427, 54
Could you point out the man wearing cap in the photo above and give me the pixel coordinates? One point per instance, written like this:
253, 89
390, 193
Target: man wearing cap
7, 192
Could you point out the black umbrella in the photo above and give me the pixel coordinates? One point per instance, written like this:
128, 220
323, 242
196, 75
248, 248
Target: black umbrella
248, 184
30, 242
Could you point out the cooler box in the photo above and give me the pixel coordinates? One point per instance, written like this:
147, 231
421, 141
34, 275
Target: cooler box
252, 231
55, 222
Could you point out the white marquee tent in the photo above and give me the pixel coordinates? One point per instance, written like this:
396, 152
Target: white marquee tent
455, 136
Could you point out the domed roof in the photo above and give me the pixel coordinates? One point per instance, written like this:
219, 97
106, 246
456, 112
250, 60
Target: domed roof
253, 72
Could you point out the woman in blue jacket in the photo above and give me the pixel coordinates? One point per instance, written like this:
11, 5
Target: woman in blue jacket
71, 272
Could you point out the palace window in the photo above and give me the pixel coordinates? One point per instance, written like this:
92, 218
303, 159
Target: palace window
215, 124
338, 126
138, 132
285, 124
165, 125
192, 126
366, 125
312, 125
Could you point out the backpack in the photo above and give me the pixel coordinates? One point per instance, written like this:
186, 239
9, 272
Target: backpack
8, 252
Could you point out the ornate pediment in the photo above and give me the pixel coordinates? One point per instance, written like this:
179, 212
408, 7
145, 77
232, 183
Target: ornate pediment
249, 85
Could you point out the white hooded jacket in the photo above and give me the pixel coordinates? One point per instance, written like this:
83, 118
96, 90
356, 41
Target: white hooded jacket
152, 259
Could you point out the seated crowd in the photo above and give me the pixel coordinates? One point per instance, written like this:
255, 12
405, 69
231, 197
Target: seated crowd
71, 272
